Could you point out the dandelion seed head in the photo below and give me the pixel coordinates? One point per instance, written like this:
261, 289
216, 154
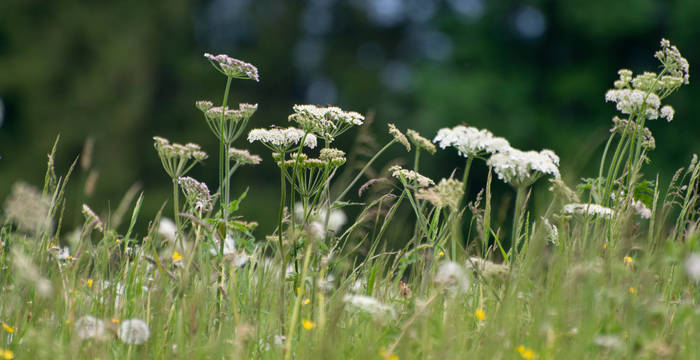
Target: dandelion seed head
453, 277
134, 331
89, 327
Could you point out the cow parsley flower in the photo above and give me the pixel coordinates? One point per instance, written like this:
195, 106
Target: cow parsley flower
673, 61
667, 113
244, 157
134, 331
523, 168
233, 68
446, 193
420, 142
326, 122
228, 124
633, 101
410, 176
281, 140
197, 194
588, 209
177, 158
399, 136
470, 142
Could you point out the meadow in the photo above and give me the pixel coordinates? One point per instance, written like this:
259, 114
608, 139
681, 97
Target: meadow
608, 269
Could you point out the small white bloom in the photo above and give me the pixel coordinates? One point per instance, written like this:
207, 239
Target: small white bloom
632, 101
452, 276
167, 229
667, 113
523, 168
608, 341
470, 141
134, 331
88, 327
641, 209
281, 140
692, 266
369, 305
588, 209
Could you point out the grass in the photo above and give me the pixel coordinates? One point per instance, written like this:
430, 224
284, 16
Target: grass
611, 277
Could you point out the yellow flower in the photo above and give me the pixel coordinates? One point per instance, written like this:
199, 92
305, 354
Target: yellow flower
308, 324
627, 260
388, 356
6, 354
306, 301
176, 256
526, 353
605, 246
115, 320
633, 290
89, 283
441, 253
8, 328
480, 314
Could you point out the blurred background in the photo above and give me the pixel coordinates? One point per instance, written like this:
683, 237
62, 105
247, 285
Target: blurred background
120, 72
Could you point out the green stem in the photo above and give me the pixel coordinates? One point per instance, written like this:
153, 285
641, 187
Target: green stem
297, 303
223, 157
176, 213
519, 204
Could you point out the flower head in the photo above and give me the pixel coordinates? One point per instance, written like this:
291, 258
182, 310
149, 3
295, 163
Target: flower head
399, 136
281, 140
634, 101
88, 327
177, 159
410, 176
325, 122
446, 193
197, 194
308, 324
452, 276
588, 209
134, 331
470, 141
244, 157
420, 142
673, 61
233, 68
523, 168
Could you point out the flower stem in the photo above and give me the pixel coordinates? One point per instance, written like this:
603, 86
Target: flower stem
176, 211
369, 163
519, 205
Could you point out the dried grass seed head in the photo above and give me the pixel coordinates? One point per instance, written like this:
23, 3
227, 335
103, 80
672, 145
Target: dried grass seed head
399, 136
410, 176
421, 142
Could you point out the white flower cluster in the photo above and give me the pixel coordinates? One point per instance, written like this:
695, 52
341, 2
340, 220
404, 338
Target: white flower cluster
233, 68
641, 209
523, 168
134, 331
674, 62
244, 157
369, 305
280, 140
326, 122
411, 176
470, 141
588, 209
197, 194
633, 101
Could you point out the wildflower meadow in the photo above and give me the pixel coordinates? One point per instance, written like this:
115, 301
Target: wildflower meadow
371, 259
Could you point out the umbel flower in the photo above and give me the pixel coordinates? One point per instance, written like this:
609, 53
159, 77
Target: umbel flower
134, 331
523, 168
588, 209
470, 142
227, 124
410, 176
177, 159
197, 194
281, 140
446, 193
233, 68
326, 122
244, 157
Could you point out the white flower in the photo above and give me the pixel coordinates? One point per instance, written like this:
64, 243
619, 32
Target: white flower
369, 305
134, 331
641, 209
452, 276
326, 122
88, 327
281, 140
692, 266
411, 176
588, 209
167, 229
470, 141
523, 168
632, 101
608, 341
667, 113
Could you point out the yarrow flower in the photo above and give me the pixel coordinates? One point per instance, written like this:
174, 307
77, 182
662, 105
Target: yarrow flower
281, 140
233, 68
588, 209
523, 168
470, 142
244, 157
446, 193
134, 331
420, 142
197, 194
410, 176
399, 136
326, 122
